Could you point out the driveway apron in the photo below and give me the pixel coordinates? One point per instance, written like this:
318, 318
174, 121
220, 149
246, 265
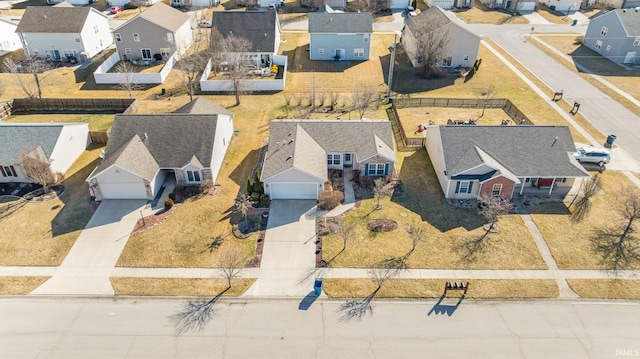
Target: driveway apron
88, 266
289, 250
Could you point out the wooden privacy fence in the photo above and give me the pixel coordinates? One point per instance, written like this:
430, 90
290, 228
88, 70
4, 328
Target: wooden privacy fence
505, 104
408, 142
74, 105
99, 137
5, 110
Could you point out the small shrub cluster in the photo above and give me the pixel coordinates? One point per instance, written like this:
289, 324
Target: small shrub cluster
168, 204
328, 200
255, 190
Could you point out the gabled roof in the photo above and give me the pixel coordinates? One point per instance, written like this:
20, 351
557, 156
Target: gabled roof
440, 18
202, 106
348, 22
134, 157
259, 27
172, 140
16, 138
630, 20
54, 19
162, 15
303, 144
523, 151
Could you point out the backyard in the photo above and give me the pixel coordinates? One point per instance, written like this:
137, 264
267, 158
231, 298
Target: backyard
97, 122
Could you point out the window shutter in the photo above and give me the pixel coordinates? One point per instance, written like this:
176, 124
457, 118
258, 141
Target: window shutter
457, 186
366, 169
2, 169
386, 169
470, 186
14, 171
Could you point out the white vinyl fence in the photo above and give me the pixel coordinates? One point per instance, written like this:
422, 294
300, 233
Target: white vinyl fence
250, 85
102, 76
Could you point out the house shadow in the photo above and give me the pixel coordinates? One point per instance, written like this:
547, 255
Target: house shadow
406, 79
243, 170
77, 209
446, 307
595, 63
421, 193
300, 62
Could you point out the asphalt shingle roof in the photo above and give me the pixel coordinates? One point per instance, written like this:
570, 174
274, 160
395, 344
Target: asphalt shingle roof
135, 157
348, 22
162, 15
16, 138
439, 17
630, 19
202, 106
303, 144
525, 151
53, 19
259, 27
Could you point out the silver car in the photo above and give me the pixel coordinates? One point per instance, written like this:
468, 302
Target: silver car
592, 155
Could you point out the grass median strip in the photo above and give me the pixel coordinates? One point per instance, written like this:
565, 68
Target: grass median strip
199, 287
606, 288
20, 285
433, 288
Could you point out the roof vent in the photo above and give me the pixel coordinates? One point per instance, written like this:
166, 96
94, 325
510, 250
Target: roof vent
277, 146
102, 154
288, 158
290, 141
146, 137
554, 141
624, 10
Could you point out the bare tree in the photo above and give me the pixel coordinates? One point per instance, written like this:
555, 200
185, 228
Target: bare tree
431, 47
228, 53
372, 6
35, 165
192, 63
363, 97
582, 205
417, 234
314, 4
31, 88
491, 208
129, 76
619, 246
380, 190
346, 232
485, 94
230, 263
242, 204
358, 308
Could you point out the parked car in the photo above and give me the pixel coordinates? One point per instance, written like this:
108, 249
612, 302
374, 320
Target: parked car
130, 6
592, 155
204, 23
410, 11
115, 9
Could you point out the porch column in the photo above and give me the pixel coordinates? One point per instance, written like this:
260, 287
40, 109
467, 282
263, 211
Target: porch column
522, 187
552, 183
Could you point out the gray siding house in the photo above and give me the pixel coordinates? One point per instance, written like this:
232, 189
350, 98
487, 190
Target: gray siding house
340, 36
615, 35
160, 29
464, 45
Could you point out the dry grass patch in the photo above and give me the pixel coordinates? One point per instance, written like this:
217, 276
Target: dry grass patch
47, 240
97, 122
569, 242
558, 16
411, 117
447, 228
480, 14
20, 285
433, 288
197, 287
606, 288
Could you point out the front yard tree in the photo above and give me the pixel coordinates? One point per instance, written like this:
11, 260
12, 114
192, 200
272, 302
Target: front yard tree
346, 232
230, 262
491, 208
417, 234
432, 46
243, 203
34, 164
363, 97
380, 190
128, 72
619, 245
582, 205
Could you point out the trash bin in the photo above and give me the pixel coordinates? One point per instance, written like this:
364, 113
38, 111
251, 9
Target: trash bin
610, 139
317, 286
552, 7
164, 91
574, 22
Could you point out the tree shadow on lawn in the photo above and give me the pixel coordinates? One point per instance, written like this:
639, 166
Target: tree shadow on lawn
405, 77
77, 209
423, 195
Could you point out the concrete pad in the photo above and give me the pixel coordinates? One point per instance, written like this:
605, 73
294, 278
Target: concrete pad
88, 266
535, 18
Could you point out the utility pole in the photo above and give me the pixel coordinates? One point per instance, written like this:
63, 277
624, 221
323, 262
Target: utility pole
392, 61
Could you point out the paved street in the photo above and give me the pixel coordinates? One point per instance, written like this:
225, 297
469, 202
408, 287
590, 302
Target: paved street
140, 328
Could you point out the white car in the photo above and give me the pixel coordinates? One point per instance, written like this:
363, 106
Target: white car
410, 11
592, 155
204, 23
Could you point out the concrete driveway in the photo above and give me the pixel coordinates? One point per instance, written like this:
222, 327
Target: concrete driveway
88, 266
289, 250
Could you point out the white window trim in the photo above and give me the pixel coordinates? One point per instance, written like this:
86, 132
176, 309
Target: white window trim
194, 174
142, 54
136, 37
604, 31
608, 48
464, 187
499, 189
598, 44
334, 159
118, 37
320, 51
376, 169
358, 52
636, 42
127, 51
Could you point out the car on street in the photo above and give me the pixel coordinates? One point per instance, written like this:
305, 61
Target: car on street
410, 11
592, 155
115, 9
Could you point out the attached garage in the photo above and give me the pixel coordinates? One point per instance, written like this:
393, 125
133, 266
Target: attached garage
125, 190
293, 190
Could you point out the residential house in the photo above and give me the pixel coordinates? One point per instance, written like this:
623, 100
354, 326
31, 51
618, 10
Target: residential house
64, 32
59, 143
473, 161
463, 47
451, 4
9, 39
143, 150
72, 2
301, 152
333, 4
125, 2
195, 3
567, 6
615, 35
340, 36
261, 28
159, 31
616, 4
512, 5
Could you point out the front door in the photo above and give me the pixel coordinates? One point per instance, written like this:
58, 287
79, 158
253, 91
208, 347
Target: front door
347, 160
339, 54
146, 54
55, 55
630, 58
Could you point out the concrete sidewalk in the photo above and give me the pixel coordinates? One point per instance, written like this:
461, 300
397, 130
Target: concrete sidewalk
87, 268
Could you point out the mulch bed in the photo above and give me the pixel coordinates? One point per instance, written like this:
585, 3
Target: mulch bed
257, 258
382, 225
152, 220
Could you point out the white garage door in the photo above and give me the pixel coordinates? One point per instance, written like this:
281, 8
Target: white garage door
126, 190
289, 190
